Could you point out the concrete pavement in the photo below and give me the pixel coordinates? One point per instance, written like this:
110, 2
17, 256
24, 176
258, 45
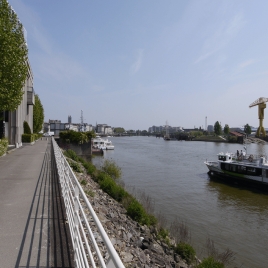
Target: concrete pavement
33, 229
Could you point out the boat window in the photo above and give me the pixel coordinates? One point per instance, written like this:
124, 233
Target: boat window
251, 170
226, 166
233, 168
266, 173
258, 172
222, 157
241, 169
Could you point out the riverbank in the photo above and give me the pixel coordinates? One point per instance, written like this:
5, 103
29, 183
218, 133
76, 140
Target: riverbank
210, 139
137, 245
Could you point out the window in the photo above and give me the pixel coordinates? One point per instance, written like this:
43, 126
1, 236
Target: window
222, 157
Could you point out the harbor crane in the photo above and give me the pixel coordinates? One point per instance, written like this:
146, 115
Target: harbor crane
261, 102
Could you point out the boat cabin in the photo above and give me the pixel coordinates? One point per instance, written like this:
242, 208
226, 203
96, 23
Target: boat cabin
227, 157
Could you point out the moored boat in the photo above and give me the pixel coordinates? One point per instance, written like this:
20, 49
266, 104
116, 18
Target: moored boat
243, 168
109, 145
104, 144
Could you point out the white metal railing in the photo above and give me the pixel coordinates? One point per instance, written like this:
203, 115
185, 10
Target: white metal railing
90, 241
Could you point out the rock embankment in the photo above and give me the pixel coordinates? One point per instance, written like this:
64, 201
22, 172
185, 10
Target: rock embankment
137, 246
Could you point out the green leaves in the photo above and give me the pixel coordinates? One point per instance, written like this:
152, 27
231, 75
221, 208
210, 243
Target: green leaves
38, 115
226, 129
13, 58
247, 129
217, 128
26, 128
76, 137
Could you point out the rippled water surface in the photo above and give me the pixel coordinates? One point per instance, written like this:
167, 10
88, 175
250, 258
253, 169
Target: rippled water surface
173, 173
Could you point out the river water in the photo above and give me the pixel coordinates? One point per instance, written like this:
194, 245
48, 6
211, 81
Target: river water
174, 175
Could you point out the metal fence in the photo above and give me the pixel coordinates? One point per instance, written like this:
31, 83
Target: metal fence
92, 246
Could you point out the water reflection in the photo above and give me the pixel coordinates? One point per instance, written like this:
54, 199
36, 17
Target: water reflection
242, 197
261, 150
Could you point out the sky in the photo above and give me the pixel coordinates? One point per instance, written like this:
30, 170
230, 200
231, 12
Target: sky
135, 64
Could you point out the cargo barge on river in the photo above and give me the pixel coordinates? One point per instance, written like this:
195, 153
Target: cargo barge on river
240, 168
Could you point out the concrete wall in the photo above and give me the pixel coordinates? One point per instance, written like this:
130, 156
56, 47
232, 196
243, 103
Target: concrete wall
80, 149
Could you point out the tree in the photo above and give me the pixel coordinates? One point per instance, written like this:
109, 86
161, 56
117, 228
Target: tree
247, 129
38, 115
26, 128
13, 59
119, 130
217, 128
226, 129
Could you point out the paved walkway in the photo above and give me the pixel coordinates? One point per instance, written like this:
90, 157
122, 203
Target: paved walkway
33, 230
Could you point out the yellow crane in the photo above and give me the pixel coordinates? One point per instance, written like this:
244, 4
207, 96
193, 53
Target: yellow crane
261, 102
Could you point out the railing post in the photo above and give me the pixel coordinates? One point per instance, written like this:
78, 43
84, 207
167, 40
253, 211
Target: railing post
76, 229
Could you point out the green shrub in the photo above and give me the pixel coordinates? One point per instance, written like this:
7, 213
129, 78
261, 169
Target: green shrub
210, 262
83, 182
186, 251
90, 168
112, 169
38, 135
101, 176
72, 136
26, 128
151, 219
232, 139
109, 186
71, 154
3, 146
196, 133
136, 211
27, 138
163, 232
75, 166
90, 193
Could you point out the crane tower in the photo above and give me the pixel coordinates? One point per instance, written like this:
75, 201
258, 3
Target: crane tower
261, 102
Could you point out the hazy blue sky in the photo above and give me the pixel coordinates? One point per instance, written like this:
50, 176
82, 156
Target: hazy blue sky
139, 63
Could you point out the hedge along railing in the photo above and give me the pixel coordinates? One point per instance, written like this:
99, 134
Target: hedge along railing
86, 242
30, 137
3, 146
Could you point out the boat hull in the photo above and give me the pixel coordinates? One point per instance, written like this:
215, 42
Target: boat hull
234, 178
236, 181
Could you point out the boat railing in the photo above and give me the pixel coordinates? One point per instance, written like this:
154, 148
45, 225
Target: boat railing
92, 246
250, 157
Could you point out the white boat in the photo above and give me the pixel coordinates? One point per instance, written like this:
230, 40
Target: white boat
109, 145
240, 168
104, 144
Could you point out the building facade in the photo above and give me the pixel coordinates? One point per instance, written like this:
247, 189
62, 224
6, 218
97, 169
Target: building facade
14, 119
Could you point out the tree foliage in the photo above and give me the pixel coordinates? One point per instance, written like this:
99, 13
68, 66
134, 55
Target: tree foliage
217, 128
119, 130
38, 115
226, 129
13, 58
76, 137
247, 129
26, 128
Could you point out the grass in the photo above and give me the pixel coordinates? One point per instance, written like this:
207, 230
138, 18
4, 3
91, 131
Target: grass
210, 262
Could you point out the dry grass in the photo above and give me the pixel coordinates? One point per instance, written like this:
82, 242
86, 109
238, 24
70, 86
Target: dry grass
226, 257
180, 231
